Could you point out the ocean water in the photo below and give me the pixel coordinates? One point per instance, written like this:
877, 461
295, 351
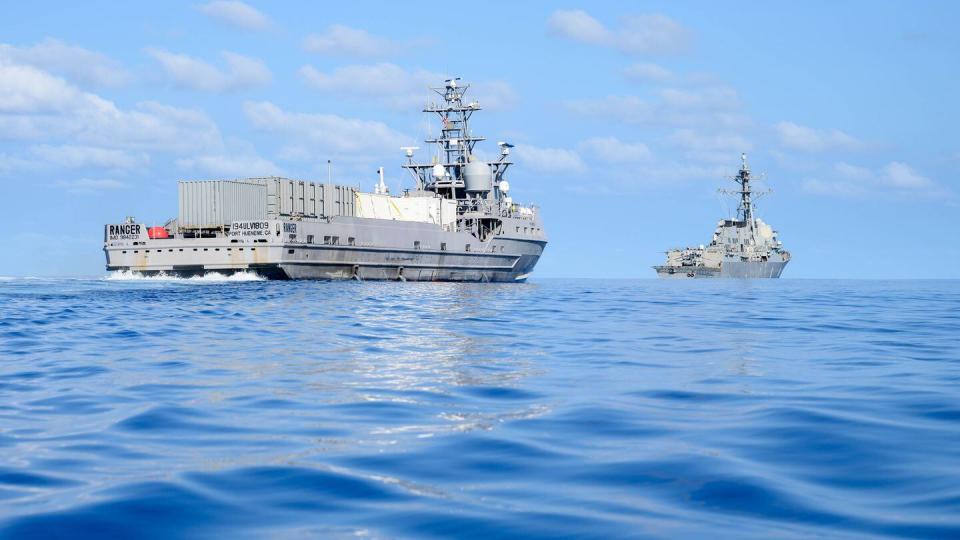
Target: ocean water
237, 408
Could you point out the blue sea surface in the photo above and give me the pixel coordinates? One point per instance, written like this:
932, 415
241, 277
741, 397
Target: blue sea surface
557, 408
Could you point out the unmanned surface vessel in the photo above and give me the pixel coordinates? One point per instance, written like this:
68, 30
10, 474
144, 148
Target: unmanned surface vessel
744, 247
457, 224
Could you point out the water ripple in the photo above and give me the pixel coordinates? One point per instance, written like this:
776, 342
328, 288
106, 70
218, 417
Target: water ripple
242, 408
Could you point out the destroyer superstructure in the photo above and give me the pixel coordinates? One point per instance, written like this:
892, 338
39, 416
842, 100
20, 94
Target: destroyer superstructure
458, 223
744, 247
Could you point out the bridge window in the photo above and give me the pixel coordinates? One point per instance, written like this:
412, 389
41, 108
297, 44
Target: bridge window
335, 240
352, 241
467, 247
309, 238
443, 246
326, 240
416, 244
290, 251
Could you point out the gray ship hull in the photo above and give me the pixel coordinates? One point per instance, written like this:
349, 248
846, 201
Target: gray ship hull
376, 250
737, 269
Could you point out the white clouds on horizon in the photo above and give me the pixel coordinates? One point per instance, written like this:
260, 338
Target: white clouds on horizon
613, 150
241, 72
328, 132
649, 73
341, 40
647, 34
893, 179
90, 185
717, 106
388, 83
549, 160
79, 157
399, 88
238, 160
807, 139
37, 106
237, 14
76, 63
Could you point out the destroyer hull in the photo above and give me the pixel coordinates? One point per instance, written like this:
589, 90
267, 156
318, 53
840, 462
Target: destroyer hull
742, 270
375, 250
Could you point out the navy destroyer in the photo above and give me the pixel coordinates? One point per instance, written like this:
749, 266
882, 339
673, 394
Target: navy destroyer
744, 247
458, 222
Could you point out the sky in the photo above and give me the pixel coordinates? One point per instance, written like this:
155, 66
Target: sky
627, 118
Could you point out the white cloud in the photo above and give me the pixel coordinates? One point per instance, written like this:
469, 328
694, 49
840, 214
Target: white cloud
797, 137
652, 73
901, 175
80, 65
853, 172
653, 34
231, 165
578, 25
10, 163
399, 88
26, 89
388, 83
612, 149
195, 74
711, 106
690, 140
325, 132
494, 95
342, 40
713, 97
637, 34
549, 160
78, 157
894, 179
236, 14
85, 185
238, 160
35, 105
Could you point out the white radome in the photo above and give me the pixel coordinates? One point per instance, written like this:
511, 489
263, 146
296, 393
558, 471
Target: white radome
505, 186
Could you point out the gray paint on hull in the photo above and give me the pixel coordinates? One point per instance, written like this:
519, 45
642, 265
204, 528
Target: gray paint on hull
729, 269
382, 250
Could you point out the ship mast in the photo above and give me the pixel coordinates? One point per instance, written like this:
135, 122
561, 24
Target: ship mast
745, 210
454, 146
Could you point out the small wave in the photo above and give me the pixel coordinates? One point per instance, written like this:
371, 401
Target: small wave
209, 277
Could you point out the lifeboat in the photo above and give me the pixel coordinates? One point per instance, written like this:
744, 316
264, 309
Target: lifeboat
154, 233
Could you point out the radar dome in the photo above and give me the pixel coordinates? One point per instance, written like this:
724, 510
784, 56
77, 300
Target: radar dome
439, 171
505, 186
477, 177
